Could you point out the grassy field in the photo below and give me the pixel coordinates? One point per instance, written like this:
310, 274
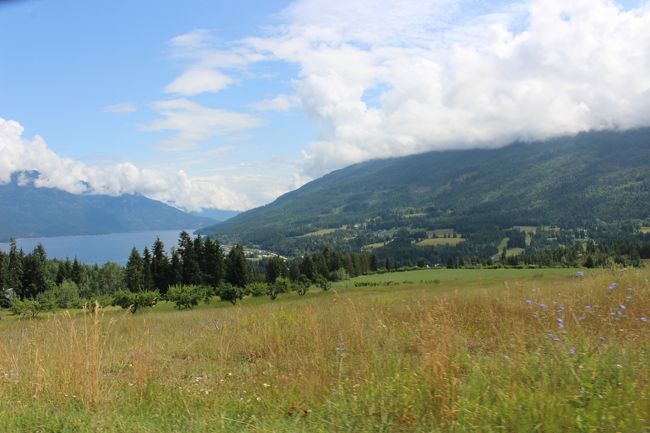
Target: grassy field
440, 241
317, 233
424, 351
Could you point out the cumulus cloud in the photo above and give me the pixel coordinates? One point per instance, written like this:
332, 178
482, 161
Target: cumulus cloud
194, 123
122, 107
393, 78
244, 189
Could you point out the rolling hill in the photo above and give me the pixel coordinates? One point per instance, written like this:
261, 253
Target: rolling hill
568, 182
27, 211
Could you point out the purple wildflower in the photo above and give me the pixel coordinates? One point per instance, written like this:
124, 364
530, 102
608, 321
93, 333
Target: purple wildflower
529, 302
621, 306
581, 318
542, 305
588, 307
613, 286
561, 309
580, 274
571, 351
644, 319
560, 323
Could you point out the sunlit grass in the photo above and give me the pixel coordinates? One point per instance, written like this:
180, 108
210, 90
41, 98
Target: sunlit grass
459, 355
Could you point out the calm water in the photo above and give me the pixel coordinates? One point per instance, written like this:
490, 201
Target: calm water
98, 249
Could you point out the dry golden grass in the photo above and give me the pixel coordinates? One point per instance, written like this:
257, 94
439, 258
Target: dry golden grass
415, 358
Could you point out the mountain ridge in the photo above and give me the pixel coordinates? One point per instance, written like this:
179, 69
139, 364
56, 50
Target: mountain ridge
566, 181
28, 211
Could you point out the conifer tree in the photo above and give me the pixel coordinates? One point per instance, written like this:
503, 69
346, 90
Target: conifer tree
237, 270
160, 267
15, 272
134, 272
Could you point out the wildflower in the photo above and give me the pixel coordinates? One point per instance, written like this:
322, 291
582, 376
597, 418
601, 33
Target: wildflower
561, 309
266, 385
644, 319
571, 351
335, 393
581, 318
621, 306
602, 339
628, 298
613, 286
560, 323
580, 274
588, 307
529, 302
542, 305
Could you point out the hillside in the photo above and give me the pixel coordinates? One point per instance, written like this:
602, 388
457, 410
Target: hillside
566, 182
27, 211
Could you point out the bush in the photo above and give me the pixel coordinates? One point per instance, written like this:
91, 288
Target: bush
135, 300
301, 286
281, 285
257, 289
339, 275
67, 295
323, 283
33, 307
228, 292
186, 296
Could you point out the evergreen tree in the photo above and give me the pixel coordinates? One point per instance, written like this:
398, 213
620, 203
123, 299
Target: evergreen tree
191, 273
15, 271
3, 270
33, 278
275, 268
212, 262
147, 278
134, 272
237, 271
76, 273
160, 267
175, 274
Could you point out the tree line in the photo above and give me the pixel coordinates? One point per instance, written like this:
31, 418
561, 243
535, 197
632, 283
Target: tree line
196, 268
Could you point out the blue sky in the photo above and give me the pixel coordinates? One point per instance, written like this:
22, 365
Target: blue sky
229, 104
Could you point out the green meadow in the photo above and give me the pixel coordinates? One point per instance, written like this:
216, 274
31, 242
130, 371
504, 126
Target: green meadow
503, 350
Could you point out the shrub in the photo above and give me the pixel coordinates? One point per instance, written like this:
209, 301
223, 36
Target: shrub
186, 296
323, 283
339, 275
301, 286
228, 292
257, 289
135, 300
33, 307
281, 285
67, 295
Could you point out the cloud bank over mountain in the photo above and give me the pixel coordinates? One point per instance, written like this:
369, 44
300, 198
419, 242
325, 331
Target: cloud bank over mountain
378, 78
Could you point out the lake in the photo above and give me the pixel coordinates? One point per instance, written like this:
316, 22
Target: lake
99, 249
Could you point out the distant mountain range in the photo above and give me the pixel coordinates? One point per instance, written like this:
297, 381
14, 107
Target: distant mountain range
569, 182
216, 214
27, 211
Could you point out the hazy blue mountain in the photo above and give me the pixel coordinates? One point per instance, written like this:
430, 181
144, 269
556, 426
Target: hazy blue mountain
216, 214
567, 181
27, 211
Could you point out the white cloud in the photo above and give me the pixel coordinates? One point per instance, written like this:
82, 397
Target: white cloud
122, 107
242, 189
196, 81
195, 123
279, 103
393, 78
